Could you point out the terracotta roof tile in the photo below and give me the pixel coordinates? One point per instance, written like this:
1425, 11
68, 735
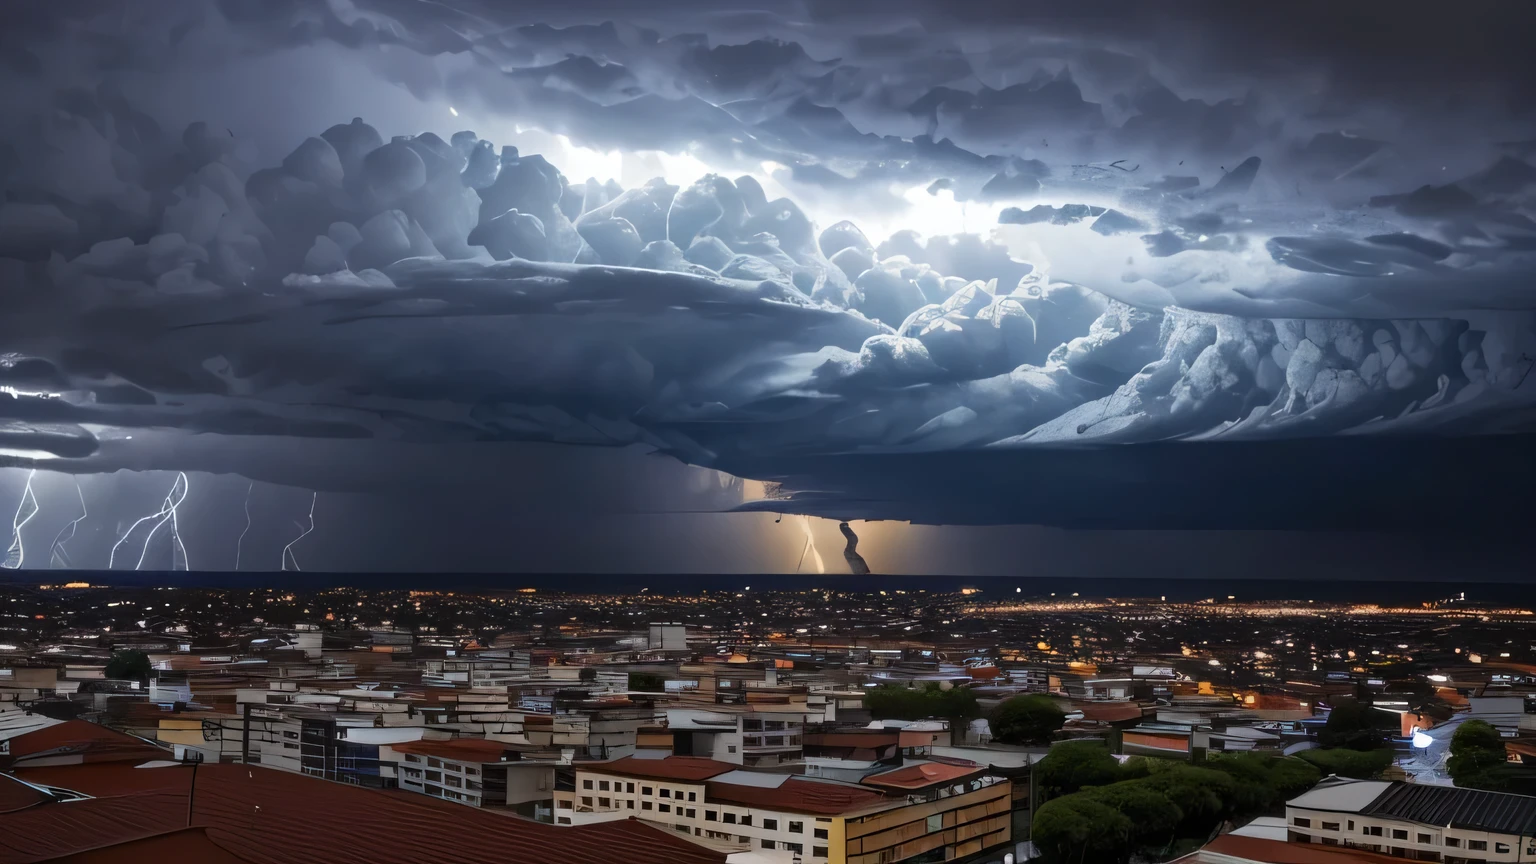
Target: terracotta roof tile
17, 796
275, 817
1282, 852
458, 749
922, 776
690, 768
92, 742
798, 796
187, 844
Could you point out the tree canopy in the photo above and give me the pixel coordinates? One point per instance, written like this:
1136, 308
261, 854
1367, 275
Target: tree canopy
1359, 764
129, 665
645, 682
1030, 719
1478, 757
1105, 811
1355, 725
1072, 765
893, 702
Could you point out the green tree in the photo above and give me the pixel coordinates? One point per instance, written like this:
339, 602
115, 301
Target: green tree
1478, 758
1201, 794
1358, 764
1028, 719
1264, 782
129, 665
1076, 828
1352, 724
1154, 818
645, 682
1073, 765
957, 705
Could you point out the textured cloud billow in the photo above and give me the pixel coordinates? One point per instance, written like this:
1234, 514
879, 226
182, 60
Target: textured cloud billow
935, 269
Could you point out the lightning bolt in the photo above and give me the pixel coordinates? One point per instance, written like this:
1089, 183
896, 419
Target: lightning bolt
810, 546
288, 550
59, 559
165, 515
241, 541
17, 554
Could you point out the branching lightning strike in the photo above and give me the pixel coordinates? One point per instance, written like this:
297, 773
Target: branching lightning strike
288, 550
16, 555
59, 555
166, 514
241, 542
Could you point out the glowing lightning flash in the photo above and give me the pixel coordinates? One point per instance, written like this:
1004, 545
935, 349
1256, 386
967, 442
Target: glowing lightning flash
16, 555
241, 541
59, 557
810, 546
288, 550
165, 515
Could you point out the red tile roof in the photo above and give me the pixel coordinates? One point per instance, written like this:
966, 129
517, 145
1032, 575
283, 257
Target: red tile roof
477, 750
922, 776
276, 817
687, 768
17, 796
1282, 852
1109, 712
105, 779
798, 796
90, 741
188, 844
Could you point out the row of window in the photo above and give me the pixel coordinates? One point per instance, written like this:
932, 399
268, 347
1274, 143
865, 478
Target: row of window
1402, 834
413, 759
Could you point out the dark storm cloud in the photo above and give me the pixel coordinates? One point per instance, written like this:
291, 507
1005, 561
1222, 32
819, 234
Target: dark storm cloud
264, 290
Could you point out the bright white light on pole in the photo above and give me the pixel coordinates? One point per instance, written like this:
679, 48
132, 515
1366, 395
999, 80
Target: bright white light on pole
1422, 740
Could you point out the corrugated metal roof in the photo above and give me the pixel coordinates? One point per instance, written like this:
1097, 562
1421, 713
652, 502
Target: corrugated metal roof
1448, 806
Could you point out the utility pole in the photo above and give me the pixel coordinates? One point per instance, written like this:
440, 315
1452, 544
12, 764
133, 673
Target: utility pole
192, 789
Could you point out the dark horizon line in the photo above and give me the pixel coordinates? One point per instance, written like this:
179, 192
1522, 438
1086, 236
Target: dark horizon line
1385, 589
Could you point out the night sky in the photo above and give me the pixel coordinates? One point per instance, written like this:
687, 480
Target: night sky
174, 303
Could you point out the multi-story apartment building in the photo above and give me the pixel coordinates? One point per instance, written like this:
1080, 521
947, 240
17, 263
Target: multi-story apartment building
1417, 821
946, 811
472, 771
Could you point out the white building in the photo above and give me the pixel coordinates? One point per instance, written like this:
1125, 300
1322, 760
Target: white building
1411, 820
471, 771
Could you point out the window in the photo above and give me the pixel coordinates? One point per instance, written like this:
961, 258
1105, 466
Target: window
629, 788
1330, 826
666, 793
629, 805
435, 776
747, 820
711, 816
770, 824
1477, 845
797, 827
586, 784
602, 785
1301, 822
1501, 848
472, 771
645, 790
1372, 831
1399, 834
1426, 838
434, 763
604, 802
730, 748
742, 838
645, 805
691, 813
818, 851
414, 760
665, 808
693, 796
586, 800
796, 848
1351, 824
564, 820
1453, 842
766, 844
819, 833
728, 818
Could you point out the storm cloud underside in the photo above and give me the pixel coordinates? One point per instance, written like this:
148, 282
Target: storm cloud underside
1152, 289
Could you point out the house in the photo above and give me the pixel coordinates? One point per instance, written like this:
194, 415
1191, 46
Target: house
1409, 820
932, 809
472, 771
